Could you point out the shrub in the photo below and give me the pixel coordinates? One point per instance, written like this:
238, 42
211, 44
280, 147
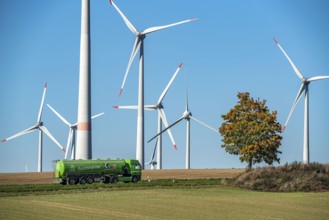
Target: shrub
286, 178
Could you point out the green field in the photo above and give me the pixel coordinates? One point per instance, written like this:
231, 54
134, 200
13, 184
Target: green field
167, 203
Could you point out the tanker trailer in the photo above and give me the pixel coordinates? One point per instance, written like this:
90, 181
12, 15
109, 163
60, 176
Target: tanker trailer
90, 171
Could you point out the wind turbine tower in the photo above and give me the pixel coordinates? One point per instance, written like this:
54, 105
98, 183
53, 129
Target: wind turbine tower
84, 144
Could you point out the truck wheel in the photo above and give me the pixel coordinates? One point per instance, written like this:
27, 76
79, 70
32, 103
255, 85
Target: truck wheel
134, 179
106, 179
83, 180
114, 180
90, 180
63, 182
72, 181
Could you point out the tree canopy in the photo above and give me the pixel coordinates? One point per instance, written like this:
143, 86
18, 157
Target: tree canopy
251, 131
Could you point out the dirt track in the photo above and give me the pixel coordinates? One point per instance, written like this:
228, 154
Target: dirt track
48, 177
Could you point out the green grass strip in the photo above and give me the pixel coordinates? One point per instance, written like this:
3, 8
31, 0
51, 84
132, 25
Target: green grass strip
36, 189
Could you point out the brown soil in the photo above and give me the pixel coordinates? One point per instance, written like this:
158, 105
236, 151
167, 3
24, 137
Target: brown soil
48, 177
192, 174
26, 178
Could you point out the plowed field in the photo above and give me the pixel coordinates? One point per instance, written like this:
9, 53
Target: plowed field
48, 177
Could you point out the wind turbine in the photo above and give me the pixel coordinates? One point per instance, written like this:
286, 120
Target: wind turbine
72, 133
153, 163
42, 129
187, 115
303, 88
139, 45
26, 170
161, 117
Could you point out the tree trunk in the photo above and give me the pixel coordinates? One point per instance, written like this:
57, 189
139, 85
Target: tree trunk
249, 165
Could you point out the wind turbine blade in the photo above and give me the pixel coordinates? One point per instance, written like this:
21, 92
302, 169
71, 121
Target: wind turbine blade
164, 120
95, 116
45, 130
69, 141
126, 107
146, 107
61, 117
26, 131
169, 84
291, 63
317, 78
157, 28
128, 23
133, 54
150, 107
299, 94
41, 106
173, 124
204, 124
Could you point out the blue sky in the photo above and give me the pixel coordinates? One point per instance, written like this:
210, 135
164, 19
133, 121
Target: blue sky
228, 50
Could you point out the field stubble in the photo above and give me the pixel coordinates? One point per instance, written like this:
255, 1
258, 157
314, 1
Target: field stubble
48, 177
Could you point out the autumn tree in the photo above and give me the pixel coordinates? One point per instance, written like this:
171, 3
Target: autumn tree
251, 131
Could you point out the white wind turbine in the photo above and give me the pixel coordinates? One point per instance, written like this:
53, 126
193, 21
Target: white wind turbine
161, 117
42, 129
187, 115
139, 45
303, 88
153, 163
72, 133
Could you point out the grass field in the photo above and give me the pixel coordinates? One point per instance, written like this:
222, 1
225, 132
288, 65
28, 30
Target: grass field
195, 194
168, 203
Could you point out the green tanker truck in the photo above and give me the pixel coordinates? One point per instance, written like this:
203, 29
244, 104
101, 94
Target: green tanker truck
90, 171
